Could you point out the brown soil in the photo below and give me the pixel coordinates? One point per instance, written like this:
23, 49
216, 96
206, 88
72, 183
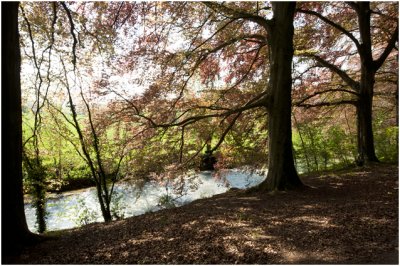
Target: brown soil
343, 217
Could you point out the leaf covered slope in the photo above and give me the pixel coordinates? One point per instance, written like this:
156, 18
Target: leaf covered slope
344, 217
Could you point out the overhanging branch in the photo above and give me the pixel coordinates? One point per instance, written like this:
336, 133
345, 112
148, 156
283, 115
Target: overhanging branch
389, 47
222, 138
237, 14
333, 24
320, 104
323, 92
346, 78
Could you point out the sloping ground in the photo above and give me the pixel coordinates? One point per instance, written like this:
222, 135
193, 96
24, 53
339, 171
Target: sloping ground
343, 217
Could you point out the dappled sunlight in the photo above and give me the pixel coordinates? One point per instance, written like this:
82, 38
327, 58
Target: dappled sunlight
146, 238
318, 221
336, 184
309, 206
359, 173
233, 250
315, 221
202, 132
373, 220
190, 224
319, 226
293, 256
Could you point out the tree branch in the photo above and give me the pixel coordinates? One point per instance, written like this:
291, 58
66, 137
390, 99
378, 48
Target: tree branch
333, 24
222, 138
72, 30
346, 78
322, 92
77, 126
389, 47
353, 5
214, 50
117, 15
246, 37
236, 14
215, 33
384, 15
352, 102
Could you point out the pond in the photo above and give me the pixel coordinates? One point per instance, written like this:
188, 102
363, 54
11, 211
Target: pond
76, 208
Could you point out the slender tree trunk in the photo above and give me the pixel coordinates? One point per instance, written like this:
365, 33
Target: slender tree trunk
282, 174
302, 144
313, 148
104, 204
397, 96
15, 232
36, 173
397, 101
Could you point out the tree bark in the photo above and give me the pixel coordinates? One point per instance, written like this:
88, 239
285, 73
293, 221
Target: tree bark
365, 139
365, 87
282, 174
15, 232
104, 203
366, 146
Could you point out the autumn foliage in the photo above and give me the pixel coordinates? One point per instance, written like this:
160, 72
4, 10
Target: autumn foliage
137, 88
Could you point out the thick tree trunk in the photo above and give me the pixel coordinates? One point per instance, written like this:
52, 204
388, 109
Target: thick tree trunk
15, 232
282, 173
365, 139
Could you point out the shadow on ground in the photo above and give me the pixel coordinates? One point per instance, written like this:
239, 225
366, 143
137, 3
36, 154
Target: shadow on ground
347, 217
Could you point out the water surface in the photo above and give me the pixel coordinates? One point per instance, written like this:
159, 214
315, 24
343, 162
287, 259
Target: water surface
72, 209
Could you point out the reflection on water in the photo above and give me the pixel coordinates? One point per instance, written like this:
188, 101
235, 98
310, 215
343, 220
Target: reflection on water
70, 209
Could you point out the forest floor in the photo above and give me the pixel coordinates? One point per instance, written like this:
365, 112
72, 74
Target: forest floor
343, 217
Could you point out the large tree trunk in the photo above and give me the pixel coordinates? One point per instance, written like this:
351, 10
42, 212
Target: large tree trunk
365, 138
366, 146
15, 232
282, 174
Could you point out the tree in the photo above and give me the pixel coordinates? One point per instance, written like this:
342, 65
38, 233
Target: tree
367, 48
240, 33
281, 171
100, 141
15, 232
31, 150
104, 173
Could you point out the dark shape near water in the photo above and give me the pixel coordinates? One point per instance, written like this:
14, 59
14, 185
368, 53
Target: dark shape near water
208, 160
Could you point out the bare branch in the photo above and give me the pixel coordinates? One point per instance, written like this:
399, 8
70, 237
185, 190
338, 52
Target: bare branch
117, 15
72, 31
352, 102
